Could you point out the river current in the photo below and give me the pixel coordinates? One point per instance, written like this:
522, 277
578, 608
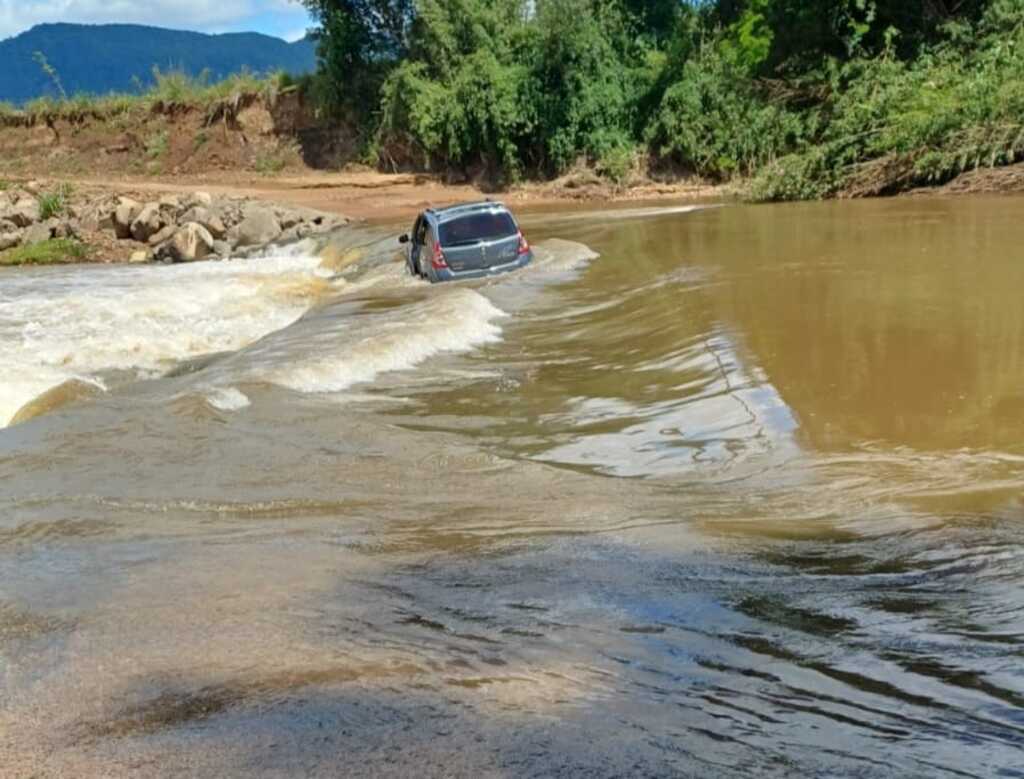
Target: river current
732, 491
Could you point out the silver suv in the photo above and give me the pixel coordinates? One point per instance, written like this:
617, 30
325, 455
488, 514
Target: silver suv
465, 242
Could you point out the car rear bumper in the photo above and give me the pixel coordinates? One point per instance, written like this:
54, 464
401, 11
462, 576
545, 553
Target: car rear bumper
447, 274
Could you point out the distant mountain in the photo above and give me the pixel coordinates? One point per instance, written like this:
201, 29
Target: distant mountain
98, 59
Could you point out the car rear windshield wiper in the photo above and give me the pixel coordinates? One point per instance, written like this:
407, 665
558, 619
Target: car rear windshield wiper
468, 242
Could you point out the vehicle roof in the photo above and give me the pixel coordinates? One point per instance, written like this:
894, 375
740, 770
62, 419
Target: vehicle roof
452, 212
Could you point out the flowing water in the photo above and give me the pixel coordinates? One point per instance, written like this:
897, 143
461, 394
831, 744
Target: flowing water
742, 495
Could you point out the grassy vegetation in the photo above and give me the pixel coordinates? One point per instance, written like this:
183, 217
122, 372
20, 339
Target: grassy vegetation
170, 88
269, 164
157, 145
53, 252
55, 203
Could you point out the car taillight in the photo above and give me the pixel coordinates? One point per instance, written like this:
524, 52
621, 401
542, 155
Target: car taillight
524, 245
438, 260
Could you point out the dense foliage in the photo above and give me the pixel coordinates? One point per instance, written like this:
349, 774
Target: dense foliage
61, 60
803, 99
795, 99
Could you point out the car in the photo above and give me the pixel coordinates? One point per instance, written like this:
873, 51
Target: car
466, 241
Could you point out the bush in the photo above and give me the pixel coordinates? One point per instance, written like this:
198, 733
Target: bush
157, 145
713, 120
54, 204
889, 125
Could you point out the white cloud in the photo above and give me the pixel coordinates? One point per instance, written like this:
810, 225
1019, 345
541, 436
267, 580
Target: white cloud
19, 15
295, 35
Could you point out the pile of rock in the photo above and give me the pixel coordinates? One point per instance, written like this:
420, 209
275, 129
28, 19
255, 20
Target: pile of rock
175, 228
198, 226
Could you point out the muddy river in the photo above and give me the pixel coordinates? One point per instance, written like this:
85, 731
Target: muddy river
734, 492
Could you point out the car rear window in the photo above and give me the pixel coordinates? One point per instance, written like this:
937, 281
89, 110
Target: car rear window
483, 226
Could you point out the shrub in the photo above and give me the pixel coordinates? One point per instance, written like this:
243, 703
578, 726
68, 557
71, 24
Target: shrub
54, 204
713, 120
269, 164
157, 145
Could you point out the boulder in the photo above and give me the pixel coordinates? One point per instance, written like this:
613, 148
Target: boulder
125, 213
170, 203
149, 222
10, 240
288, 218
139, 256
37, 233
295, 234
63, 228
207, 219
23, 213
222, 249
201, 198
191, 242
258, 227
7, 226
164, 234
96, 216
228, 211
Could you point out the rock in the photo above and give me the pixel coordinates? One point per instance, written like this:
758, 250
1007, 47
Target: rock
294, 234
288, 218
191, 242
201, 198
258, 227
10, 240
149, 222
62, 228
228, 211
125, 213
96, 216
164, 234
37, 233
207, 219
222, 249
7, 226
23, 213
169, 203
139, 256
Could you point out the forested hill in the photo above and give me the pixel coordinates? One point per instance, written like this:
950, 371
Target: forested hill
99, 59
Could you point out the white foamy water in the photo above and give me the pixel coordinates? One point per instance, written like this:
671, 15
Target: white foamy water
228, 399
75, 323
335, 349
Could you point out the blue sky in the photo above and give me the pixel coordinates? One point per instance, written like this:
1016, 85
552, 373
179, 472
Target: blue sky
283, 18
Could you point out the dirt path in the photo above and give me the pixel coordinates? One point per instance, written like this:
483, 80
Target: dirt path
380, 197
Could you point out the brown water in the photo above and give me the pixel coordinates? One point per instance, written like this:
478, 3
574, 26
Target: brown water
742, 496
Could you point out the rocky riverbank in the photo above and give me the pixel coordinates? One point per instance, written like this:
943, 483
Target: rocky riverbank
50, 223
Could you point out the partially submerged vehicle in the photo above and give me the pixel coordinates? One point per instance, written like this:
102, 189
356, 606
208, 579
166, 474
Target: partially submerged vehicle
465, 242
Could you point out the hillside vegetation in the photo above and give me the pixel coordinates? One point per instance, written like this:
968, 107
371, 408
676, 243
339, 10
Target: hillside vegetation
65, 60
806, 99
